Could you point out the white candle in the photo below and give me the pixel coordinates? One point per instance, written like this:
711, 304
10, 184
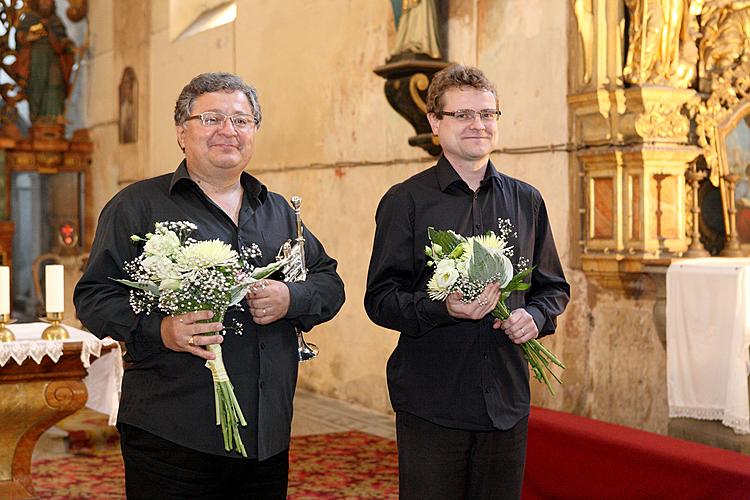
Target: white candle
4, 290
54, 286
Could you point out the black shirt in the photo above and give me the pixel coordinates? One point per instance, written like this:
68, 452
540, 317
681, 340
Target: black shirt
455, 373
170, 393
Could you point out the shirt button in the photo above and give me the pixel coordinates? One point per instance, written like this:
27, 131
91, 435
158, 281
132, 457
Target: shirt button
477, 226
260, 384
485, 355
487, 390
262, 345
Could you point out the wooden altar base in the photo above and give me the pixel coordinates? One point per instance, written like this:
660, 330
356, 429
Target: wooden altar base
33, 397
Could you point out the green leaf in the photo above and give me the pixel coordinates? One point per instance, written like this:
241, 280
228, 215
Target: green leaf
236, 294
263, 272
483, 265
448, 240
149, 287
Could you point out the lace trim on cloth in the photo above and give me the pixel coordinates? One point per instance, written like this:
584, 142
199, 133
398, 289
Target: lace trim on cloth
19, 351
104, 371
739, 425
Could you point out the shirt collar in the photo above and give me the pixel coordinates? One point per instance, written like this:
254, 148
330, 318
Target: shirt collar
447, 175
256, 191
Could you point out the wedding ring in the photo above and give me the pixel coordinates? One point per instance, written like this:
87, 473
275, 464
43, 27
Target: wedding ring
191, 340
263, 286
264, 311
523, 331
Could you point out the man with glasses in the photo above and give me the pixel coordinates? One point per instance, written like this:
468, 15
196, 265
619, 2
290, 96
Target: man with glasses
457, 379
172, 447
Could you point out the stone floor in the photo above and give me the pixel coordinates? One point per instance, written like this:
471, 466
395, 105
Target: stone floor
313, 414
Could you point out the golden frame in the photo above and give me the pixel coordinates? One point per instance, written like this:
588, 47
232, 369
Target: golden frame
722, 131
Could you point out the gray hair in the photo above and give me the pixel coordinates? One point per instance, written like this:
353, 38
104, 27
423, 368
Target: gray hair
214, 82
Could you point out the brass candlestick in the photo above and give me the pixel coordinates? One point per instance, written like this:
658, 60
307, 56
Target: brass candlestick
696, 249
732, 245
5, 334
55, 331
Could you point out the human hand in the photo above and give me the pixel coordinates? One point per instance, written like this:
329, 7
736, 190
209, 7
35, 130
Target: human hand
268, 301
183, 333
478, 308
519, 327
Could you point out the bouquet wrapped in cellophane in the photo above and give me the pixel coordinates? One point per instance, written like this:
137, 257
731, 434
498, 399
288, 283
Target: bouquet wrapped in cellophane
176, 274
469, 264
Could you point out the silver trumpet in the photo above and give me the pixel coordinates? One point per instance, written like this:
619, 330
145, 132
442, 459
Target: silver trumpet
295, 270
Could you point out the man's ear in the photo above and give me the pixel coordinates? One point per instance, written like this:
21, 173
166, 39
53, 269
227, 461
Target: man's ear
180, 130
434, 122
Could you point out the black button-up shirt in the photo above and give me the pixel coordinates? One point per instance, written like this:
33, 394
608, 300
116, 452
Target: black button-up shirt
455, 373
170, 393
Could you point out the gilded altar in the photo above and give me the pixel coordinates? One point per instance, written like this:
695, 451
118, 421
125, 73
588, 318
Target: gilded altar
660, 110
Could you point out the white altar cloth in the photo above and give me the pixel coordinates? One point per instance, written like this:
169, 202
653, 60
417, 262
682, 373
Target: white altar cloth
708, 336
104, 376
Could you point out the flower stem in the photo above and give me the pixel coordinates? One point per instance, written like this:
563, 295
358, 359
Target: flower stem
535, 353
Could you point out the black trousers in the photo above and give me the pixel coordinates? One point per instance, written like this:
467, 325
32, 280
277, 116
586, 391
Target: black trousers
159, 469
436, 462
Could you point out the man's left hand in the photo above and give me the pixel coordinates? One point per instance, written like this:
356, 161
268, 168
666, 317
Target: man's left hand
268, 301
519, 327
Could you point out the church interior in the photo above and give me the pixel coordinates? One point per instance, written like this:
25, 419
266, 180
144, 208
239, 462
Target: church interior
631, 117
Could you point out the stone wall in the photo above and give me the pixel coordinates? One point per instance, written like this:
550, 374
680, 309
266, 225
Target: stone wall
329, 135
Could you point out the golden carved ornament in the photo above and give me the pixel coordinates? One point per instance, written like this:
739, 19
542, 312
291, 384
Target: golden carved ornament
417, 82
725, 30
728, 90
662, 121
662, 42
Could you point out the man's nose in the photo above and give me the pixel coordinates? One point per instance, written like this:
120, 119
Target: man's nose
227, 127
477, 122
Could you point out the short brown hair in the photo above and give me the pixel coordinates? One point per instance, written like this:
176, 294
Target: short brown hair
456, 76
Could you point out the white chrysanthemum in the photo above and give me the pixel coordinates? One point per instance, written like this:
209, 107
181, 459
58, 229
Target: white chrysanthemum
206, 254
490, 242
162, 244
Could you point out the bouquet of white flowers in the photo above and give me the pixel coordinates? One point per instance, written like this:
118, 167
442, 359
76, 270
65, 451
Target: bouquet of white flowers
468, 265
177, 274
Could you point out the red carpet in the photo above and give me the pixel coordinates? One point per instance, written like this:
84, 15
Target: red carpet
572, 457
569, 457
344, 465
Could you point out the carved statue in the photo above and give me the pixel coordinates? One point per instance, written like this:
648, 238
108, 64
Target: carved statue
417, 30
726, 32
44, 60
584, 12
662, 42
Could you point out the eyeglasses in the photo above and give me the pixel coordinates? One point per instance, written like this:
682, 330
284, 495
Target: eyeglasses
468, 115
240, 121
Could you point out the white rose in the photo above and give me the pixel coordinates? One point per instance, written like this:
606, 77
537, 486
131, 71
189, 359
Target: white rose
446, 274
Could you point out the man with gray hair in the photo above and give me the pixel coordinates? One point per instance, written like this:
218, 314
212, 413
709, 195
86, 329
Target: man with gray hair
171, 445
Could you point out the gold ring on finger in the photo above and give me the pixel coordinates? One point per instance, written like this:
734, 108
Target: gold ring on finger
191, 340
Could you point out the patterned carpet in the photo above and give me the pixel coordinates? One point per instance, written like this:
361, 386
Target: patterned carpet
348, 465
